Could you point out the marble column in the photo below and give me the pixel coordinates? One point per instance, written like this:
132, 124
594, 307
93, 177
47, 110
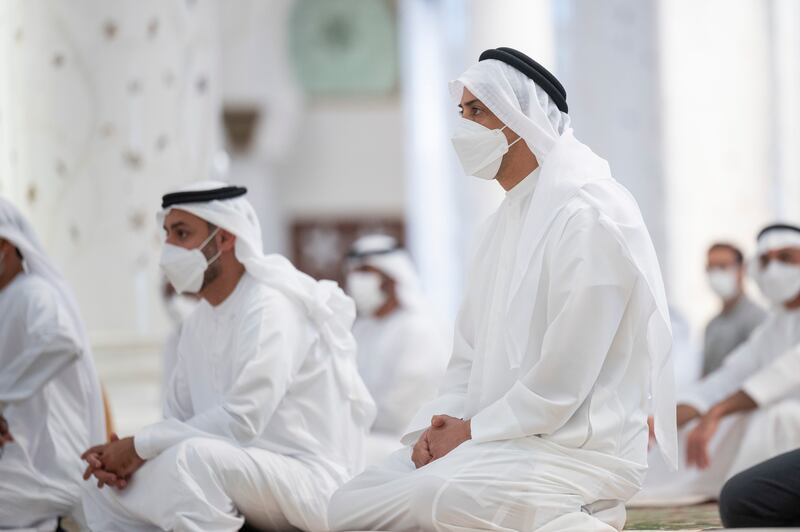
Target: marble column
719, 141
103, 107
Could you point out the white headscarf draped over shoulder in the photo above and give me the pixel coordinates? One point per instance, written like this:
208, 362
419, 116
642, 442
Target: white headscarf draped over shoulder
325, 304
15, 228
568, 168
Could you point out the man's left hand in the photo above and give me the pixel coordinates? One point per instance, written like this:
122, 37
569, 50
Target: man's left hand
447, 433
698, 440
119, 457
113, 463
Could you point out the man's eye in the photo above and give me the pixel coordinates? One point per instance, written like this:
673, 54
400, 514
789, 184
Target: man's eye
476, 111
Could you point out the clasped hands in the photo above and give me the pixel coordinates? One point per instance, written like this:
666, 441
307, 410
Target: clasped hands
112, 463
445, 434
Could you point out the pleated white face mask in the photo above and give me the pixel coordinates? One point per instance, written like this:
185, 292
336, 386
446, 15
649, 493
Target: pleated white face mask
779, 281
480, 149
184, 268
724, 283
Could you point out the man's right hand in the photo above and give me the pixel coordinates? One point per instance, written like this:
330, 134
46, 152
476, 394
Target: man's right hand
685, 414
5, 433
421, 455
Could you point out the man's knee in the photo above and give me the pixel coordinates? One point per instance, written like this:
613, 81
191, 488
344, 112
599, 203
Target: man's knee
195, 454
440, 501
735, 502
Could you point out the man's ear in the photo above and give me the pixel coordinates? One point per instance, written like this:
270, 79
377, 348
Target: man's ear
227, 241
389, 286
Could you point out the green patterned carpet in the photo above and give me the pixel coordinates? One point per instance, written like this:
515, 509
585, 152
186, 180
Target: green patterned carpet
699, 517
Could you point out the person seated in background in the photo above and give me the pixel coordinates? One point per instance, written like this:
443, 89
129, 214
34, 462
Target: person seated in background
266, 414
402, 354
748, 410
738, 316
766, 495
51, 405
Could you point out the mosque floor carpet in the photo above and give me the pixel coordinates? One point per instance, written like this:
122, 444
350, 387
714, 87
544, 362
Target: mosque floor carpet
683, 518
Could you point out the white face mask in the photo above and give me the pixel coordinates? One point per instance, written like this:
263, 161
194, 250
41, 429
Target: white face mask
365, 289
779, 281
480, 149
724, 283
185, 267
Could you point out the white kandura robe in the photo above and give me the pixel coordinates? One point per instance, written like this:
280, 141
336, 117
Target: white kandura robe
47, 387
766, 368
555, 439
402, 358
256, 423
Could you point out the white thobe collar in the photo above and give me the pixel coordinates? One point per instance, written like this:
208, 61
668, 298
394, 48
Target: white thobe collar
524, 188
229, 304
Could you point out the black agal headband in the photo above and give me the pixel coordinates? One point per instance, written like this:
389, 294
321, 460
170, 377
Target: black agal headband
539, 74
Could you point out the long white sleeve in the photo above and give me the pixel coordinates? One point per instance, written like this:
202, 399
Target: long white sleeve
263, 367
778, 380
588, 292
727, 379
49, 345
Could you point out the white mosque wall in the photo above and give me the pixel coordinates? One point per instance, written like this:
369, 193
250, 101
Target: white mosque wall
347, 159
256, 73
784, 27
718, 136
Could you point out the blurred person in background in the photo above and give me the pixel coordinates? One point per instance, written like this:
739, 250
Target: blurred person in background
748, 410
739, 315
51, 405
402, 354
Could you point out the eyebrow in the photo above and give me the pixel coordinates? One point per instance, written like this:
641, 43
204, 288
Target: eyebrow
174, 226
471, 102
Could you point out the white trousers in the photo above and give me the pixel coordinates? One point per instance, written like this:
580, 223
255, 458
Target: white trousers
741, 441
30, 500
522, 484
211, 485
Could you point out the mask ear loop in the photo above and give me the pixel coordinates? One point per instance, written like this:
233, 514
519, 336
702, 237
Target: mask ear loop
519, 137
210, 261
